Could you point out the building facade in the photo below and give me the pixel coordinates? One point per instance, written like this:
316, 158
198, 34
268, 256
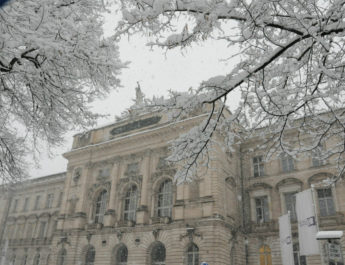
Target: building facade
117, 203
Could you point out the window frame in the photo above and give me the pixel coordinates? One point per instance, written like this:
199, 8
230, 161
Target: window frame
50, 200
265, 209
119, 251
154, 250
287, 163
26, 204
326, 201
193, 252
258, 166
164, 199
100, 206
130, 203
293, 214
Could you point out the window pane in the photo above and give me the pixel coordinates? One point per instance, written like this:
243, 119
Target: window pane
131, 203
164, 204
100, 207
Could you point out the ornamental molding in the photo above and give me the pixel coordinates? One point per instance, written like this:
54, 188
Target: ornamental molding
96, 186
162, 173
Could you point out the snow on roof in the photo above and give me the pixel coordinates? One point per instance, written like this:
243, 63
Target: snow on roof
329, 234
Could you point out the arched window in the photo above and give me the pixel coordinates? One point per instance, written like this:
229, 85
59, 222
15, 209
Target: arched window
100, 207
158, 254
121, 255
193, 255
37, 259
61, 258
90, 256
165, 198
265, 255
130, 203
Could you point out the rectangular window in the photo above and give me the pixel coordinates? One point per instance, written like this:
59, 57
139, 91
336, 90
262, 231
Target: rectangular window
26, 204
316, 157
258, 166
37, 202
42, 230
29, 230
15, 204
60, 199
287, 163
262, 211
298, 260
290, 204
50, 199
326, 204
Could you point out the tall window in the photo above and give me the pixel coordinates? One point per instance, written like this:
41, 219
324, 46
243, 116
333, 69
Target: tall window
26, 204
298, 260
90, 256
158, 254
42, 230
130, 202
265, 255
121, 255
165, 197
262, 212
326, 203
193, 255
29, 230
287, 163
50, 199
100, 207
37, 259
37, 202
316, 156
290, 204
61, 258
258, 166
60, 199
15, 204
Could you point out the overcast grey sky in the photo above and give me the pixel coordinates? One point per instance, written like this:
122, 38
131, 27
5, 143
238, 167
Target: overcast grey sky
157, 71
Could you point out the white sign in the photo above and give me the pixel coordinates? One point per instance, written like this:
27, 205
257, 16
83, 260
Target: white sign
286, 240
307, 228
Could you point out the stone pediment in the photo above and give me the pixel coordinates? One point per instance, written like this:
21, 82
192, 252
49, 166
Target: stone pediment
319, 177
289, 181
259, 185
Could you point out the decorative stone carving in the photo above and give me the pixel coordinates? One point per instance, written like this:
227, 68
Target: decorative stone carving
102, 183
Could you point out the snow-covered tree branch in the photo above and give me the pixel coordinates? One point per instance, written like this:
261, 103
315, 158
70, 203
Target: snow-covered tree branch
54, 61
291, 69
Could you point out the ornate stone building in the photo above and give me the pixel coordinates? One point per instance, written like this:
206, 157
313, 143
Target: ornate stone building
117, 203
